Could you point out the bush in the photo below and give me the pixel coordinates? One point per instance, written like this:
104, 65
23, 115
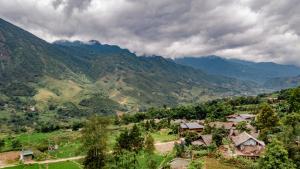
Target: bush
201, 153
16, 144
196, 164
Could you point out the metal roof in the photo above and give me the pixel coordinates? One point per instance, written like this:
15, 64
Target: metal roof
243, 137
26, 152
192, 125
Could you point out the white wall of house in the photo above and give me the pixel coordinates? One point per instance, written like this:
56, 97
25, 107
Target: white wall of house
249, 142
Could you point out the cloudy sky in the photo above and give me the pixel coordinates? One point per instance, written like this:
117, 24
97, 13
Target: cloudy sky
257, 30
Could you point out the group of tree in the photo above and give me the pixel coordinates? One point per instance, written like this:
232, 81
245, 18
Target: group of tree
128, 145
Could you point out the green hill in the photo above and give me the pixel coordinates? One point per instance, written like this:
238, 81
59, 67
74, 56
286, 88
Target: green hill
69, 80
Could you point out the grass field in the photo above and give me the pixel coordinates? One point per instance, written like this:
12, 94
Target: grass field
59, 165
163, 136
211, 163
69, 142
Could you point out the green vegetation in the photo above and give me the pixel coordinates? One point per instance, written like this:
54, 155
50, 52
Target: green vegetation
59, 165
66, 81
94, 136
276, 157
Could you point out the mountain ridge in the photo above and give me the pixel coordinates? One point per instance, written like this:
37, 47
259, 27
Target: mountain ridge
244, 70
134, 82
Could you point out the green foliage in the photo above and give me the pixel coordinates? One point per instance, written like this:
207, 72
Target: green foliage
2, 144
149, 144
130, 140
179, 149
294, 100
218, 134
94, 137
195, 164
266, 117
242, 126
135, 136
276, 157
16, 144
190, 137
100, 104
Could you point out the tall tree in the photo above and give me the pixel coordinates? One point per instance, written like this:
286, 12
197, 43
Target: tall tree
136, 138
266, 117
276, 157
123, 141
2, 144
149, 144
294, 100
94, 138
242, 126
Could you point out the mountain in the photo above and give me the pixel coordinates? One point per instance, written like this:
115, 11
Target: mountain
71, 78
282, 82
244, 70
148, 80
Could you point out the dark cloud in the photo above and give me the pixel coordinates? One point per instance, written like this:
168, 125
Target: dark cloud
258, 30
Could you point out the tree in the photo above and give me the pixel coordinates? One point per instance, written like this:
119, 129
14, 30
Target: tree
124, 160
276, 157
151, 163
16, 144
147, 126
94, 138
149, 144
179, 149
266, 117
294, 100
242, 126
196, 164
2, 144
218, 134
190, 137
136, 139
292, 120
123, 141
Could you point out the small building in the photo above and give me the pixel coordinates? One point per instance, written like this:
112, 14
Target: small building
26, 155
248, 146
191, 127
204, 140
226, 125
236, 118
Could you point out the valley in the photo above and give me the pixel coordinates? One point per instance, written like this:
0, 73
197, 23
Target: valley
80, 104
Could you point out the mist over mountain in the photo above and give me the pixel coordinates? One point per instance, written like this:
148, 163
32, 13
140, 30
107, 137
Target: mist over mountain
244, 70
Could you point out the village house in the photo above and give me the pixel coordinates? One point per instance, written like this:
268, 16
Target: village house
203, 140
26, 155
236, 118
247, 145
191, 127
226, 125
252, 131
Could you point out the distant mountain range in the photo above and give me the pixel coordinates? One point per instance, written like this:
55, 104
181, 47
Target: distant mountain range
261, 73
72, 72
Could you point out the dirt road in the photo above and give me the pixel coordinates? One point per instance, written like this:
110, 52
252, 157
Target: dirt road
46, 161
164, 147
160, 147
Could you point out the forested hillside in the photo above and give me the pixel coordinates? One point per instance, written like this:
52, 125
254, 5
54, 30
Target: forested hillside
71, 80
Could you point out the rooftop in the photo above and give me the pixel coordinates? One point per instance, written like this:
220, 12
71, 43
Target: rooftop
192, 125
243, 137
26, 152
